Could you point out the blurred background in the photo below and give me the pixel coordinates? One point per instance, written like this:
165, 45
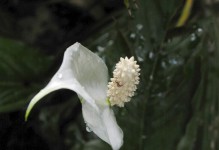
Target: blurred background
176, 44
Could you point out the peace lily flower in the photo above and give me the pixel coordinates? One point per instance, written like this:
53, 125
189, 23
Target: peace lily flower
85, 73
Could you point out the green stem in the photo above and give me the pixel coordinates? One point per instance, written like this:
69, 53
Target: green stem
147, 95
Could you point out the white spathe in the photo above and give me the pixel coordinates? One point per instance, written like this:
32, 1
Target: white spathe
85, 73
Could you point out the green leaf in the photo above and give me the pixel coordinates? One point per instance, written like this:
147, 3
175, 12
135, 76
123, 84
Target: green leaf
163, 113
22, 69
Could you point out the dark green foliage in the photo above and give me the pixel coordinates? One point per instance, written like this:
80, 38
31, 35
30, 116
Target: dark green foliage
177, 102
20, 70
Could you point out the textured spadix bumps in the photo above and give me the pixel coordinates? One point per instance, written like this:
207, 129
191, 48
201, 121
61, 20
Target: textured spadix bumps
124, 81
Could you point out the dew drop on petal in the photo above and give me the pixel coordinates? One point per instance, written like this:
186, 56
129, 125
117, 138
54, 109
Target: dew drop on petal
60, 76
88, 129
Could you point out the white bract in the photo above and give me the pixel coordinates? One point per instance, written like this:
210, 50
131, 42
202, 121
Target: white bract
85, 73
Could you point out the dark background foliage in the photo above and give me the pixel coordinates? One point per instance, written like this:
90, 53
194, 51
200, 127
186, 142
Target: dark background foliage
176, 104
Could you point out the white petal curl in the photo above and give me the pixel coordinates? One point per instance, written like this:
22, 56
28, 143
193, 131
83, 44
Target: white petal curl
81, 71
103, 124
85, 73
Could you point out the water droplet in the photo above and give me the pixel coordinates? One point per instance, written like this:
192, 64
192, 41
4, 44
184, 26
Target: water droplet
60, 76
139, 26
163, 64
169, 40
212, 144
142, 37
151, 77
193, 37
176, 60
132, 35
100, 48
199, 31
139, 48
143, 136
160, 94
173, 61
140, 59
106, 35
88, 129
110, 42
151, 55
